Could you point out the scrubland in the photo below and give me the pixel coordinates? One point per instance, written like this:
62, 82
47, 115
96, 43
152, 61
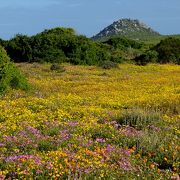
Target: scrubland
84, 122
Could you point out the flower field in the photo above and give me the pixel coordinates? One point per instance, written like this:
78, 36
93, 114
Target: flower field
89, 123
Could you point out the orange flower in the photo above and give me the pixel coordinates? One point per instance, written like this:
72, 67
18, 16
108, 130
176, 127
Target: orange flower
145, 160
131, 150
134, 148
66, 161
152, 166
138, 155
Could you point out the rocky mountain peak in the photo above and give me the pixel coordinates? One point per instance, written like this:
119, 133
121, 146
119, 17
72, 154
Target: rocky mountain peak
126, 27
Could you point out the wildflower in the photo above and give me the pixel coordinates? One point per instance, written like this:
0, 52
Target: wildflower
152, 166
159, 171
145, 160
100, 140
174, 169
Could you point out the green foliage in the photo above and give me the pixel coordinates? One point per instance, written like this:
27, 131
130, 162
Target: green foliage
2, 42
45, 145
149, 56
19, 48
56, 46
116, 58
122, 43
124, 48
169, 50
10, 76
53, 131
60, 45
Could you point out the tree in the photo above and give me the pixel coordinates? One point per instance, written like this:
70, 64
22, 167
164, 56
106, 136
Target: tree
10, 76
19, 48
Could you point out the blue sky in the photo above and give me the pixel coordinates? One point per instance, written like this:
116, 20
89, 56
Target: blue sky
87, 17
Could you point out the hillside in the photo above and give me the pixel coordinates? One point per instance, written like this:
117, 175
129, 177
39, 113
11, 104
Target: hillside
127, 28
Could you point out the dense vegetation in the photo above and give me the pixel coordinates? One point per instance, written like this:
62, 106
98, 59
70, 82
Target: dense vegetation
122, 43
167, 51
124, 49
56, 45
90, 123
60, 45
10, 76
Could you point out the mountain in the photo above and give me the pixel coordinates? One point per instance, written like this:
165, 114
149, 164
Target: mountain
127, 28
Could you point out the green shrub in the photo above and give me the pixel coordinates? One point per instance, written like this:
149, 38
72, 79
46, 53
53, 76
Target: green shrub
10, 76
19, 48
108, 64
45, 145
169, 50
117, 58
150, 56
56, 46
123, 43
53, 131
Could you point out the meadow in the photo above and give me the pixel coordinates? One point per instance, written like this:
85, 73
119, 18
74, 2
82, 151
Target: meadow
84, 122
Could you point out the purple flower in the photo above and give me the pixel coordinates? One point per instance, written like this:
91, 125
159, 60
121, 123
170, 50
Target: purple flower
36, 159
2, 144
126, 152
64, 135
38, 171
72, 124
130, 132
152, 127
34, 131
100, 140
110, 148
125, 164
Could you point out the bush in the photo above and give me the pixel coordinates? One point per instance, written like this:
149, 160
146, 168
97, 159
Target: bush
123, 43
108, 64
45, 145
150, 56
117, 58
19, 48
168, 50
10, 76
56, 46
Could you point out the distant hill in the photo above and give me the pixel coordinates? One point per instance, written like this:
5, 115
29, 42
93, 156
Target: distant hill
127, 28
